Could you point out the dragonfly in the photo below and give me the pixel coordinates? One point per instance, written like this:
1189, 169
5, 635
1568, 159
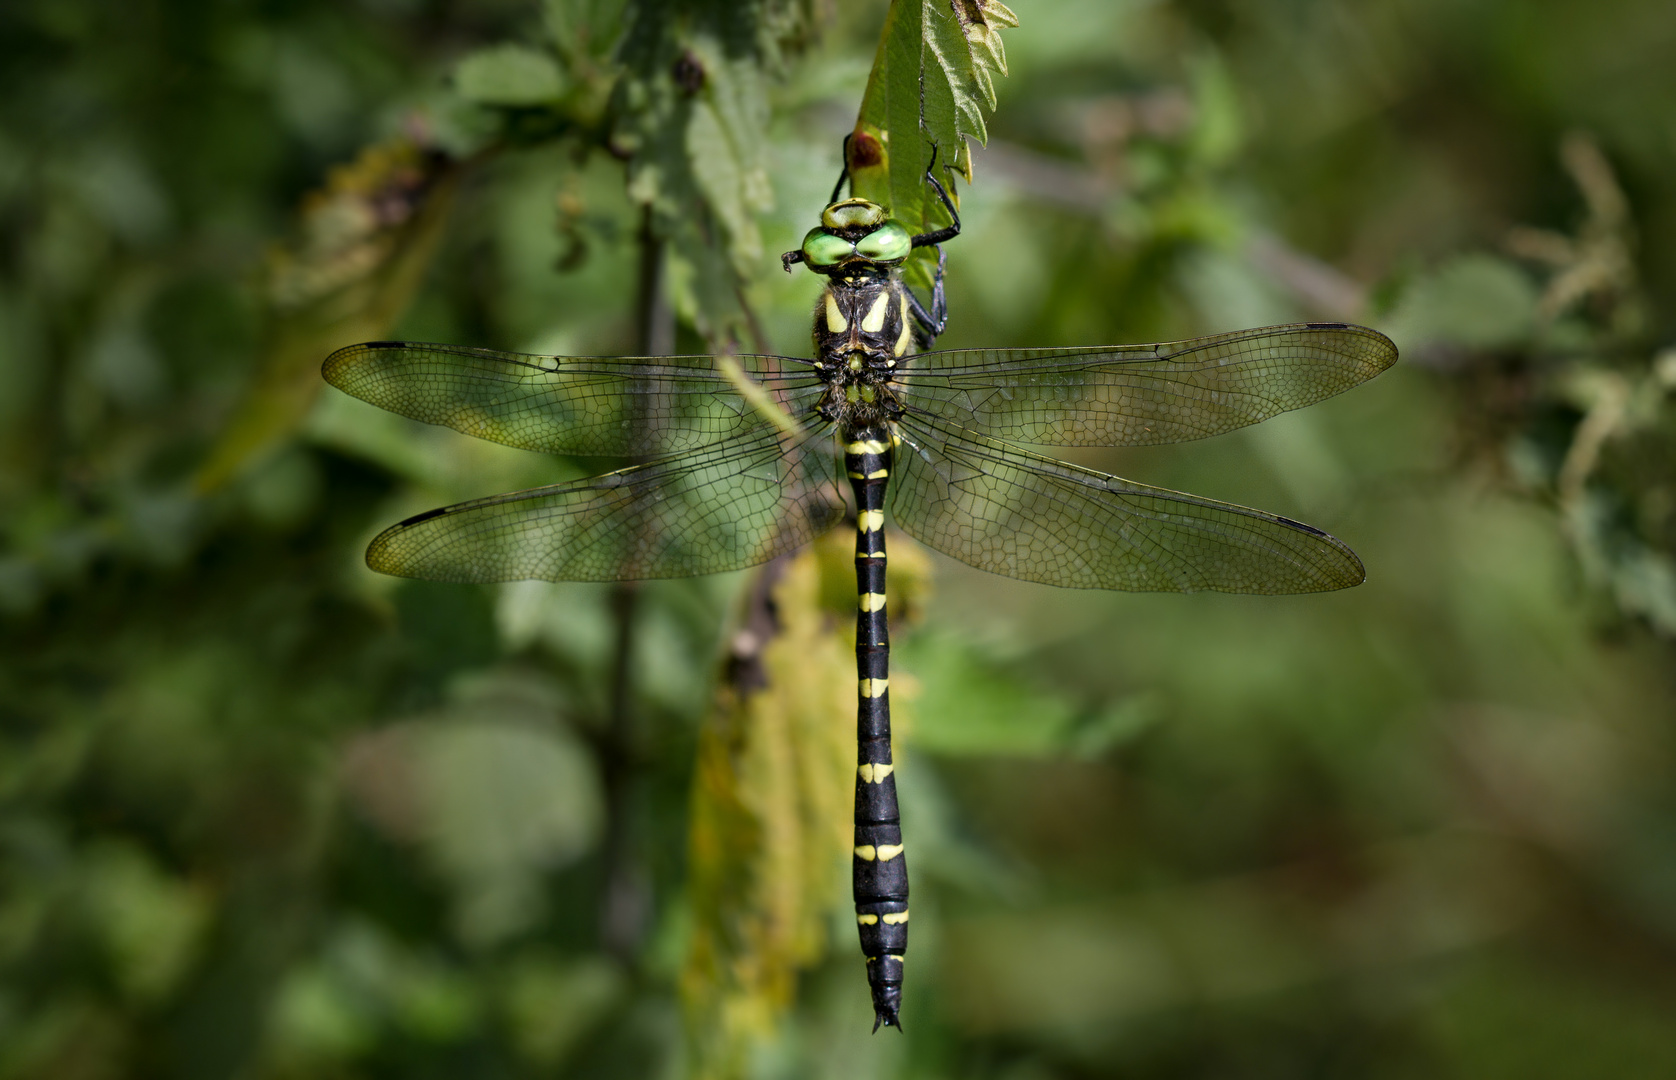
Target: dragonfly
744, 458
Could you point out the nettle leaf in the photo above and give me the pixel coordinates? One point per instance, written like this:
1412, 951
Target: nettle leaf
585, 32
725, 139
933, 78
692, 117
509, 75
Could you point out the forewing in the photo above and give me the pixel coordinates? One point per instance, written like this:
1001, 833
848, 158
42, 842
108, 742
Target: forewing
732, 504
1137, 395
1002, 509
589, 405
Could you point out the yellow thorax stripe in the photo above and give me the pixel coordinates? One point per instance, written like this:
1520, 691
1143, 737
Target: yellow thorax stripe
835, 320
874, 320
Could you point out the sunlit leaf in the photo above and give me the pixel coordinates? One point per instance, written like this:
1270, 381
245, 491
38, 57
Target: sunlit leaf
692, 118
932, 81
494, 793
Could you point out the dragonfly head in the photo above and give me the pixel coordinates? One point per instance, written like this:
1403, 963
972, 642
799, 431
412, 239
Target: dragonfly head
852, 231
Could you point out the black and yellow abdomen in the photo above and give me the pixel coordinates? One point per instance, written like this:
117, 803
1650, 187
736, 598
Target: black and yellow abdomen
881, 868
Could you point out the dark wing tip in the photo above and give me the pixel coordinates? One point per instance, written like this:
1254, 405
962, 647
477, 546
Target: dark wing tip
429, 514
1283, 520
384, 553
380, 557
1385, 350
334, 365
1345, 570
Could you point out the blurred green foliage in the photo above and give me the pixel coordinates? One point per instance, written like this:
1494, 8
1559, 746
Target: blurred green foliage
263, 814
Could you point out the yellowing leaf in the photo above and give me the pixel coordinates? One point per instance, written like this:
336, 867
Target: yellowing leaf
364, 245
771, 809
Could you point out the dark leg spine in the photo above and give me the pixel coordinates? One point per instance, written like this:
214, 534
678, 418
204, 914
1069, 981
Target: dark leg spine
881, 870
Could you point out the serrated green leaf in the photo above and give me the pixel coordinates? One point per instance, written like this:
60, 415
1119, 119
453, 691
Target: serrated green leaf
725, 138
950, 60
509, 75
932, 79
692, 117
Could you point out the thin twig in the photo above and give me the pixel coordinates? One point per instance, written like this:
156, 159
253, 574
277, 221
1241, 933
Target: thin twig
626, 904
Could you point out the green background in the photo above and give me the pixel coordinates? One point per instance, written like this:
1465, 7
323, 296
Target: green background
265, 814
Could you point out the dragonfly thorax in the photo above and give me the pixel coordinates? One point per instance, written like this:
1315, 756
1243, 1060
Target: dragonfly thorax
862, 330
858, 395
866, 316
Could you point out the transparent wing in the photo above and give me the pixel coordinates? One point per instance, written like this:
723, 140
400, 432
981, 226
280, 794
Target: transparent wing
1002, 509
589, 405
732, 504
1137, 395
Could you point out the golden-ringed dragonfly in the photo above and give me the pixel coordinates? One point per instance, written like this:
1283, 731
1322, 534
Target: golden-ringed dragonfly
749, 457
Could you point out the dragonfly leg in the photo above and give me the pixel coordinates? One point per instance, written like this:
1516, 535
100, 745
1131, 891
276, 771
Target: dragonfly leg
843, 173
949, 231
929, 324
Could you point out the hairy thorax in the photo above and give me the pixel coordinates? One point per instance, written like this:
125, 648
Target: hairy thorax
862, 330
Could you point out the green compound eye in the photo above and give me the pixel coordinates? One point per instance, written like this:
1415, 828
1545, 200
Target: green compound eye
821, 248
888, 243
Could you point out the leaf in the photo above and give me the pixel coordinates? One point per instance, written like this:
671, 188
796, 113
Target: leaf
692, 117
932, 79
583, 31
975, 703
364, 245
509, 75
773, 797
770, 818
491, 790
725, 140
1473, 302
